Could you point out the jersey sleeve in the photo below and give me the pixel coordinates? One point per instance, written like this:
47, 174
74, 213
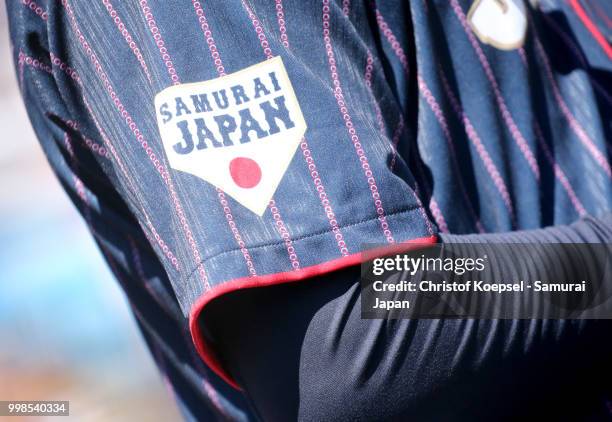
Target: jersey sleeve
254, 143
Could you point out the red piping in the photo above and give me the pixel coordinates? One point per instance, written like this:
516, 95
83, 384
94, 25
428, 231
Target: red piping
592, 27
208, 355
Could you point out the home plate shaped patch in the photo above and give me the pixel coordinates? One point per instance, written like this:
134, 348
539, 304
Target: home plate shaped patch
238, 132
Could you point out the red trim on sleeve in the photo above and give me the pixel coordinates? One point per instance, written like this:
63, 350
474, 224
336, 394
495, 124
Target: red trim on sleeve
206, 352
591, 26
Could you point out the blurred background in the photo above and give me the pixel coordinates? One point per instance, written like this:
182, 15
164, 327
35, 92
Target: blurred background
65, 329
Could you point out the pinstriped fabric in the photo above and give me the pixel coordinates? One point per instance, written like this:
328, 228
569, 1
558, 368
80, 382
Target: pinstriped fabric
559, 173
280, 225
307, 154
501, 102
436, 109
280, 16
495, 164
215, 55
265, 45
340, 99
346, 5
395, 139
576, 127
36, 8
159, 41
409, 116
575, 50
167, 58
127, 36
367, 77
482, 151
161, 169
95, 147
395, 45
401, 56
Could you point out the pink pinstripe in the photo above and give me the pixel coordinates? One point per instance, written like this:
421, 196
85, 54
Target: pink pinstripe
437, 111
568, 41
56, 61
175, 78
95, 147
139, 137
309, 160
346, 5
157, 238
91, 145
137, 262
159, 41
80, 188
395, 141
37, 64
162, 244
329, 212
78, 183
395, 45
433, 204
501, 102
111, 148
593, 28
437, 214
280, 18
127, 37
234, 229
68, 145
34, 7
221, 195
280, 225
559, 173
434, 209
229, 216
282, 230
261, 35
573, 122
214, 398
81, 191
401, 55
368, 81
498, 181
601, 13
209, 38
351, 129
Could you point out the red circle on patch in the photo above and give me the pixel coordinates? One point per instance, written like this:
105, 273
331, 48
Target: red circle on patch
245, 172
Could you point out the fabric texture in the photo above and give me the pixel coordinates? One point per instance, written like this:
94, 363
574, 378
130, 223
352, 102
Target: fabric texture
330, 364
415, 127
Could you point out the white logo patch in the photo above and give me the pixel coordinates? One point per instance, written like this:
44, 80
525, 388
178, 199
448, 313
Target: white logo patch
238, 132
500, 23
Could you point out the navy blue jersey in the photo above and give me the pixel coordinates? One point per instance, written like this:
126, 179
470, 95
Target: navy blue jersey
215, 146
